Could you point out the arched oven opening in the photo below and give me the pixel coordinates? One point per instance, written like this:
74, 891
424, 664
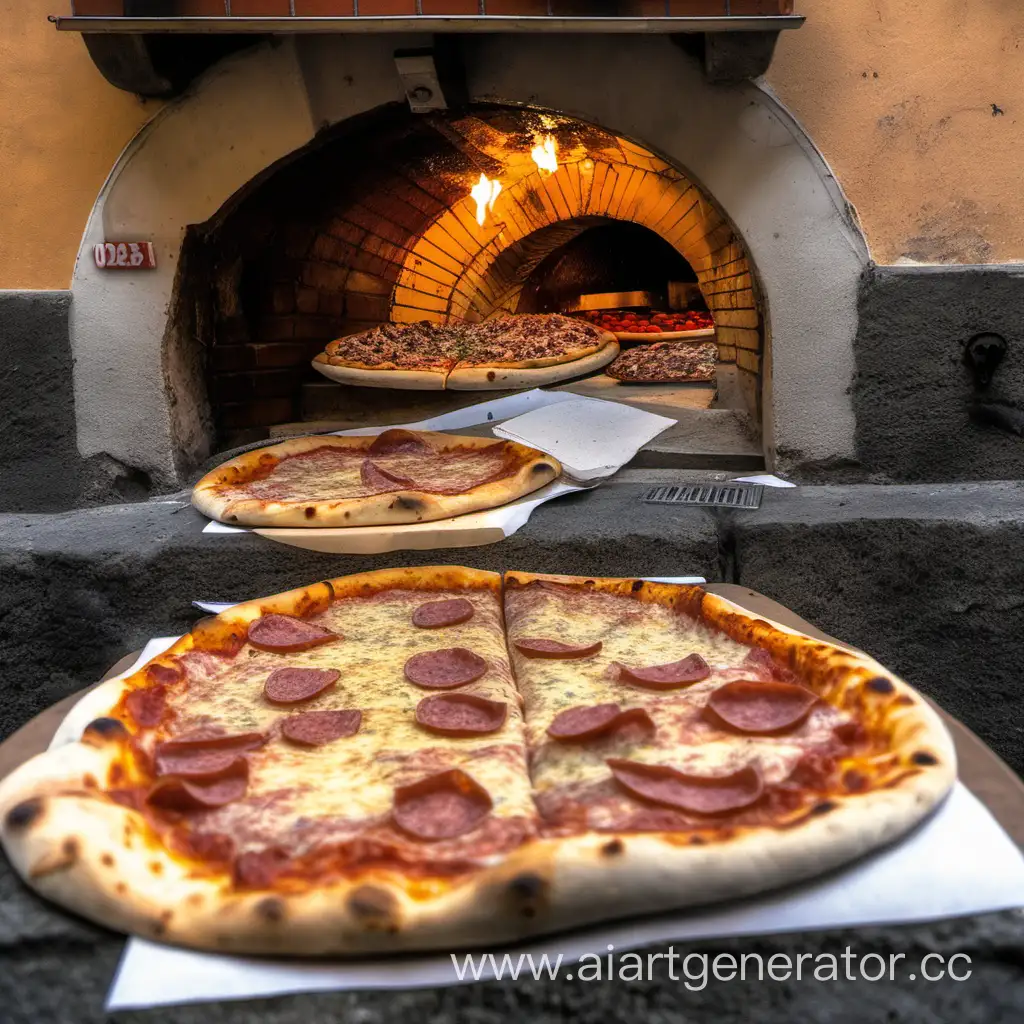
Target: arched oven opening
464, 216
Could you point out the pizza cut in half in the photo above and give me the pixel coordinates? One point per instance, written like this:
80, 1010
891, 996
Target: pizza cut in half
398, 477
666, 362
435, 758
526, 350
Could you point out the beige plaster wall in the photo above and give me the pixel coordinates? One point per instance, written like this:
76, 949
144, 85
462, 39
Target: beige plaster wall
933, 172
62, 127
918, 106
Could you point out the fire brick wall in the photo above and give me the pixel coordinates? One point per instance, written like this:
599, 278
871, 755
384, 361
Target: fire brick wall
331, 245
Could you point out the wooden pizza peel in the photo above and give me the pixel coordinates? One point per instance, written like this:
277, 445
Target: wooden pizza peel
986, 775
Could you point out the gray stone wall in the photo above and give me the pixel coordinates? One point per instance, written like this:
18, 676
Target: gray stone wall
916, 404
40, 467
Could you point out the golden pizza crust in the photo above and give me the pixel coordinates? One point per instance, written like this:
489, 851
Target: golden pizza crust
368, 377
103, 860
473, 377
215, 494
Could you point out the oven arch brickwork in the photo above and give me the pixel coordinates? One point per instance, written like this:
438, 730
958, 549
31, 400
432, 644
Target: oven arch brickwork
737, 142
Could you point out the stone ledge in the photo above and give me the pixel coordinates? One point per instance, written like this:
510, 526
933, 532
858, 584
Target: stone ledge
926, 578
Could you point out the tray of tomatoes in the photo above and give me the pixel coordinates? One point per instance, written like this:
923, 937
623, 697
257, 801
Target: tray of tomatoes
633, 325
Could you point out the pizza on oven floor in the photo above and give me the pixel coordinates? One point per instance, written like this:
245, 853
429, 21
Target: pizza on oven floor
666, 362
400, 476
433, 758
526, 350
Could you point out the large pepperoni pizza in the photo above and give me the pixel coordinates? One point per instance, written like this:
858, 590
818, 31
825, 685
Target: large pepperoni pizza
400, 476
437, 757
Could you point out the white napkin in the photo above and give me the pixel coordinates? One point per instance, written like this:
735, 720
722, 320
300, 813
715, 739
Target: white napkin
592, 438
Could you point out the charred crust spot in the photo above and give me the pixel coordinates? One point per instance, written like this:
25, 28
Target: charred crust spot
638, 585
409, 503
491, 375
107, 860
69, 848
271, 909
697, 840
159, 927
854, 781
540, 468
347, 514
613, 848
880, 685
371, 905
528, 891
923, 758
905, 699
166, 916
310, 512
330, 590
823, 807
22, 815
120, 888
105, 729
89, 781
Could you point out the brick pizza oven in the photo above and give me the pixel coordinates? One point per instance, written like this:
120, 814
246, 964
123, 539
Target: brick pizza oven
332, 203
330, 245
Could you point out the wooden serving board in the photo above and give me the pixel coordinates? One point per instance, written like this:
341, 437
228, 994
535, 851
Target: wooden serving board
666, 336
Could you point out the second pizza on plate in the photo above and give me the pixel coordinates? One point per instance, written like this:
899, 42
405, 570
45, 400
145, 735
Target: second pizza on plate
527, 350
398, 477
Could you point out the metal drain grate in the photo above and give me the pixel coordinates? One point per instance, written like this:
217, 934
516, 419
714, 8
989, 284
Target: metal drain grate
723, 495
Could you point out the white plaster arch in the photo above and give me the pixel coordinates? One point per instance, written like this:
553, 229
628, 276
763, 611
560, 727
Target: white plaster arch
737, 142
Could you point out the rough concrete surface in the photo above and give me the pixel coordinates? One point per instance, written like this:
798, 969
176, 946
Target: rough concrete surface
925, 578
912, 394
80, 590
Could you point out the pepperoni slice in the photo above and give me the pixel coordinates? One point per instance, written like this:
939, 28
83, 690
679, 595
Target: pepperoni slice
315, 728
292, 685
392, 442
445, 669
761, 708
441, 806
698, 794
436, 614
147, 705
461, 714
759, 658
590, 721
584, 722
165, 674
176, 794
257, 869
380, 479
539, 647
691, 669
287, 633
210, 739
202, 765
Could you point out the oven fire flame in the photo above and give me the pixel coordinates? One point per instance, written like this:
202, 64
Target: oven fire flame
545, 155
485, 191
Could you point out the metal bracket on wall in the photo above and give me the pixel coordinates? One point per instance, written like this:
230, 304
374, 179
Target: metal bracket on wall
432, 76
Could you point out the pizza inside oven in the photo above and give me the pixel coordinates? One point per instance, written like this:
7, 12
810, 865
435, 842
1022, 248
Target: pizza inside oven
505, 352
441, 757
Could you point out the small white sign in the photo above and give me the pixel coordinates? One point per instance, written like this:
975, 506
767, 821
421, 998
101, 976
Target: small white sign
124, 256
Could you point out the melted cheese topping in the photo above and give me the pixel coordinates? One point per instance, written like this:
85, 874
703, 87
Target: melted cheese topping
332, 473
300, 798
